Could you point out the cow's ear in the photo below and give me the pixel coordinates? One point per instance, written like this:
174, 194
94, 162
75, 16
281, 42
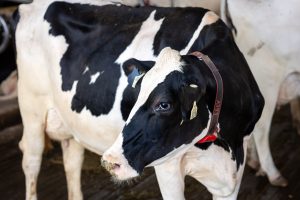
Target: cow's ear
135, 69
141, 66
191, 91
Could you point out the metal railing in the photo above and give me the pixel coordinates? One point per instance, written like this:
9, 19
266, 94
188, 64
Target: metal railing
4, 34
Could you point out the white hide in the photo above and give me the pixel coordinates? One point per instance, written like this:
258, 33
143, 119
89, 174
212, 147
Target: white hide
213, 167
268, 35
213, 5
209, 18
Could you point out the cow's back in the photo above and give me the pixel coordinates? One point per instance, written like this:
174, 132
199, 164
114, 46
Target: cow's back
273, 24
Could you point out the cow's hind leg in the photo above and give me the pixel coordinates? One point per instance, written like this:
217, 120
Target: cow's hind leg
261, 137
73, 154
32, 144
252, 157
295, 110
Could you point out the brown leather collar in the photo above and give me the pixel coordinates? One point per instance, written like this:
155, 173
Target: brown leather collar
213, 130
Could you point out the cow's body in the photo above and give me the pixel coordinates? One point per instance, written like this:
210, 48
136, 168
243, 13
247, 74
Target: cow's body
173, 111
208, 4
73, 86
268, 35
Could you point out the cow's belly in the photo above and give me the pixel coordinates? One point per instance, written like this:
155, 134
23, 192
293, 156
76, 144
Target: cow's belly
94, 133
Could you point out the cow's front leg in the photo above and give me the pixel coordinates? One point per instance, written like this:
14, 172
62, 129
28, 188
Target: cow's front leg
170, 178
238, 179
73, 154
32, 145
216, 170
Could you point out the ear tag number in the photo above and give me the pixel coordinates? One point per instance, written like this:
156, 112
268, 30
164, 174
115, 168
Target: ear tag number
194, 111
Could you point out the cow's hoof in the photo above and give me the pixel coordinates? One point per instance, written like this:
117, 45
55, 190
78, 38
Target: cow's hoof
280, 181
253, 164
260, 172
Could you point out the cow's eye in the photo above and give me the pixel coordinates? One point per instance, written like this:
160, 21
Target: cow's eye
163, 107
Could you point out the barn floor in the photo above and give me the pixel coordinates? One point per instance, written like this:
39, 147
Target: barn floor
96, 183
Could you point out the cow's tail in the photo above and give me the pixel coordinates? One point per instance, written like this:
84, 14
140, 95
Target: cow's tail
14, 20
225, 15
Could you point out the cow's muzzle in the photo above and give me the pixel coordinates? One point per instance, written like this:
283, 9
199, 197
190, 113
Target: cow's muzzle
117, 165
110, 167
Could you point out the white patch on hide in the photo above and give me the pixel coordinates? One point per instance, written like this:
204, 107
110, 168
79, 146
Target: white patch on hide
209, 18
167, 61
95, 76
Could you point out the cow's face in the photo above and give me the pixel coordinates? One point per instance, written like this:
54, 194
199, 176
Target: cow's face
162, 123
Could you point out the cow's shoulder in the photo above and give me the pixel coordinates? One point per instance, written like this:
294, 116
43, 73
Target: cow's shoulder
96, 36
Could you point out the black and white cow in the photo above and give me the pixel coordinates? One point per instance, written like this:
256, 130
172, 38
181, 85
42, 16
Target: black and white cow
161, 132
271, 47
75, 59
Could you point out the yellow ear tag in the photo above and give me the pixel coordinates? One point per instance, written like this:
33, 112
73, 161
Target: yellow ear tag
136, 79
194, 111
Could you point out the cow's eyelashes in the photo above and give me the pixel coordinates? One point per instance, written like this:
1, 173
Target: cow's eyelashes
163, 107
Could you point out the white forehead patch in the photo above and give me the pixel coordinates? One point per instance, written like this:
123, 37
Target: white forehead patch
167, 61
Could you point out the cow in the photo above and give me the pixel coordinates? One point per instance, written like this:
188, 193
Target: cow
78, 68
268, 36
287, 92
175, 108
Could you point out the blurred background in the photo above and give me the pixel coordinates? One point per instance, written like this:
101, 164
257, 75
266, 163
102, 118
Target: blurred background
96, 182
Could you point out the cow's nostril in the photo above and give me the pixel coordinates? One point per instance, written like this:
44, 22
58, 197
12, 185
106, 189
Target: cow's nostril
110, 166
115, 166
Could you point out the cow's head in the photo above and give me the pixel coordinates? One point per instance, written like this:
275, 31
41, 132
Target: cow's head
170, 115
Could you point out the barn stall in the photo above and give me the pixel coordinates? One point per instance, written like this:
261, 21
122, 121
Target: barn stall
97, 183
